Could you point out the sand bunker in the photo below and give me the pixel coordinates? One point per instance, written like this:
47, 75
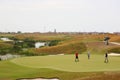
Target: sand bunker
39, 79
114, 54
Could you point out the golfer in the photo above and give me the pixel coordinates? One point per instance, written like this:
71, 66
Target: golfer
76, 57
88, 55
106, 57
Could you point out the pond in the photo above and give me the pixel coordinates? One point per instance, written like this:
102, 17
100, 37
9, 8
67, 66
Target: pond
5, 39
39, 44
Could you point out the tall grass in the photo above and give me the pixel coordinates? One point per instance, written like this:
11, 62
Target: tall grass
62, 49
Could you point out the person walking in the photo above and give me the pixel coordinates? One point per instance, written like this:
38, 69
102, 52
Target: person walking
76, 57
106, 57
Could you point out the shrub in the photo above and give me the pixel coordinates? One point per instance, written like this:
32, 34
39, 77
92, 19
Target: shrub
28, 43
27, 53
5, 48
53, 42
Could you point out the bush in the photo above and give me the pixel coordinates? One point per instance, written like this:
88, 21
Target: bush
5, 48
16, 49
27, 53
53, 42
28, 43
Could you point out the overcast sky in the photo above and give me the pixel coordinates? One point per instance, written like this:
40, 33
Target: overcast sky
62, 15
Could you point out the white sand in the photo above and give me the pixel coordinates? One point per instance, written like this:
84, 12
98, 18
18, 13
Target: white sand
114, 54
115, 43
39, 79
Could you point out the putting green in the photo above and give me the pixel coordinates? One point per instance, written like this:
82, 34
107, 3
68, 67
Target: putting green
67, 63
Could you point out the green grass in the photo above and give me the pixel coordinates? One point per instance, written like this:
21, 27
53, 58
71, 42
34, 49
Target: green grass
61, 66
66, 63
11, 71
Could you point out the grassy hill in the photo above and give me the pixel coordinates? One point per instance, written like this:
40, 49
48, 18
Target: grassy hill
69, 48
79, 43
68, 43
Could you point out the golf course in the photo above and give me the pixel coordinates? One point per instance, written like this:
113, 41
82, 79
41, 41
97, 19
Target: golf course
58, 60
59, 39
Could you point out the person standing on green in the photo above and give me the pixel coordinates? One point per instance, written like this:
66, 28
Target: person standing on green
76, 57
88, 55
106, 57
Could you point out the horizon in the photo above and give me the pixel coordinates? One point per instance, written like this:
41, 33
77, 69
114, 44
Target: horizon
61, 32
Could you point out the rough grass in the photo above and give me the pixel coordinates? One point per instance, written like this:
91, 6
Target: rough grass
41, 37
64, 49
114, 49
93, 43
99, 47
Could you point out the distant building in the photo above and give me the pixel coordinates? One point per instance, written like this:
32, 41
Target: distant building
54, 30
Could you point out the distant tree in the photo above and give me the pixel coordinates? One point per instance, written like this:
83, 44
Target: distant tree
19, 32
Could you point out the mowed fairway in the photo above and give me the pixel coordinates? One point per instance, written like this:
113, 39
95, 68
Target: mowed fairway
67, 63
